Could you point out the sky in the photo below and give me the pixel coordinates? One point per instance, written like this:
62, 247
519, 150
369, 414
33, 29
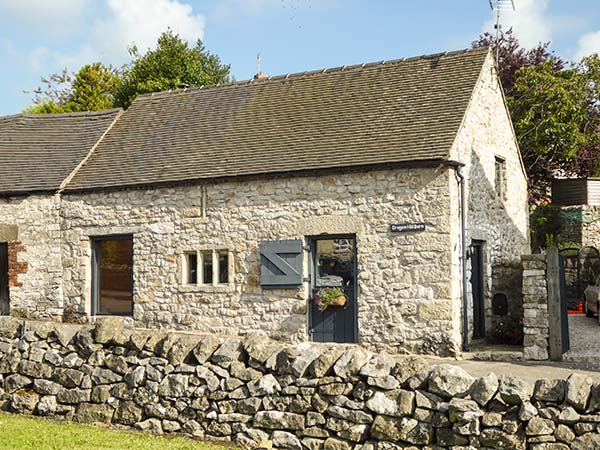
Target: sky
41, 37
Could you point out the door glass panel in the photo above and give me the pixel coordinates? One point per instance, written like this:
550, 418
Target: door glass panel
334, 263
116, 276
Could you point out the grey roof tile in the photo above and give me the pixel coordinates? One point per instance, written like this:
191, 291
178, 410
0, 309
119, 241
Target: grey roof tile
380, 113
38, 152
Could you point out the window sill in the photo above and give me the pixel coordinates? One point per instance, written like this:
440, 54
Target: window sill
127, 319
207, 288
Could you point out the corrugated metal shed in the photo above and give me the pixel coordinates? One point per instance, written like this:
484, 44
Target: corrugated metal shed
576, 191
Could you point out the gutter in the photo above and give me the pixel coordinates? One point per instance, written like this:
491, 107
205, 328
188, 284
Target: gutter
464, 255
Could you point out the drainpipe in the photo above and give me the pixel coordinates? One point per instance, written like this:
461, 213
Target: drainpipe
457, 166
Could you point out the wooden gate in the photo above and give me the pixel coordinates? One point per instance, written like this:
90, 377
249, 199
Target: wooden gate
557, 304
564, 307
581, 267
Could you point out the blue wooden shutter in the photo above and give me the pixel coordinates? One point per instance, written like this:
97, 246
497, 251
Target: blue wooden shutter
281, 264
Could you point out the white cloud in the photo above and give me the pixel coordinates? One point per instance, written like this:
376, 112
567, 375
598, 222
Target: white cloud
51, 18
587, 44
141, 22
530, 22
122, 23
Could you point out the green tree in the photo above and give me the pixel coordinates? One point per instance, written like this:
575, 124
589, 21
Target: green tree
53, 95
90, 89
94, 88
552, 112
171, 65
555, 110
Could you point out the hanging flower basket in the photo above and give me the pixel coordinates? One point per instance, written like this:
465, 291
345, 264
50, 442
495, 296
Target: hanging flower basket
331, 297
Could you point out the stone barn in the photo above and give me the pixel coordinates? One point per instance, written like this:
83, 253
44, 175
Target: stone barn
38, 153
383, 204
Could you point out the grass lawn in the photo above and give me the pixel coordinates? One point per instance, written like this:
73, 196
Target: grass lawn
26, 433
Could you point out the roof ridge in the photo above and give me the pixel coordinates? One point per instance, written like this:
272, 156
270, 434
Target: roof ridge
11, 116
90, 152
71, 114
311, 72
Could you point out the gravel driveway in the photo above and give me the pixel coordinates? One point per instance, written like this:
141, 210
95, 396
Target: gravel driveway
584, 335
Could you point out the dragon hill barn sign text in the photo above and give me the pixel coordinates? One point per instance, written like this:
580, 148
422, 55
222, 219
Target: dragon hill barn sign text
407, 227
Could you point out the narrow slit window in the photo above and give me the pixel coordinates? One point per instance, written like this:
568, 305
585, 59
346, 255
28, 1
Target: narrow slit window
192, 268
500, 177
207, 267
223, 267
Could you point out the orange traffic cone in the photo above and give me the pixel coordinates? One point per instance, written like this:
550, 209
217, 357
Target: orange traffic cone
579, 309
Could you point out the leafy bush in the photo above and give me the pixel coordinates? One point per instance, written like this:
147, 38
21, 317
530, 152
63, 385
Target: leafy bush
508, 331
545, 225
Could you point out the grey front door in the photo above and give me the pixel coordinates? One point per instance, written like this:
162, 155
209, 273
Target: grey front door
4, 294
333, 266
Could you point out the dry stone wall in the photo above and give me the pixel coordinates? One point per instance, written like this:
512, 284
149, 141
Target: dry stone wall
580, 226
256, 392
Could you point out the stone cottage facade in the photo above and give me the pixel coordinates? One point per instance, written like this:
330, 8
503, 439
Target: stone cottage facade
37, 154
237, 209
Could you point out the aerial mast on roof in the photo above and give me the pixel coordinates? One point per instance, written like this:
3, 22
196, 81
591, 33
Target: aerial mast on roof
499, 6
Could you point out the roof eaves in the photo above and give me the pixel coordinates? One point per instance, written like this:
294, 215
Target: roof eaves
259, 176
27, 192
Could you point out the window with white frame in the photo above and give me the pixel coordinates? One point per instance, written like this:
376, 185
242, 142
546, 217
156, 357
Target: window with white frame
207, 267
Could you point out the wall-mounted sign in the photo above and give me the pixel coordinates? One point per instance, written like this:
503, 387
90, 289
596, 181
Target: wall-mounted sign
407, 227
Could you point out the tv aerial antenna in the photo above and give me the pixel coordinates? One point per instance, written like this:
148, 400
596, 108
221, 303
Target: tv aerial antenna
500, 6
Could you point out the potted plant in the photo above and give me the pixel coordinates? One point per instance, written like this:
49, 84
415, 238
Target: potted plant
331, 297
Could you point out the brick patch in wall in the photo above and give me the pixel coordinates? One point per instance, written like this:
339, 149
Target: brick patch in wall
15, 267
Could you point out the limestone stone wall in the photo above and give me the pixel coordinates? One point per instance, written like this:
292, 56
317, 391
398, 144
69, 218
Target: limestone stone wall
502, 223
31, 227
580, 225
404, 279
256, 392
535, 308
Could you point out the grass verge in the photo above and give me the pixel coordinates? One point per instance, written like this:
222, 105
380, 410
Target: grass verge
28, 433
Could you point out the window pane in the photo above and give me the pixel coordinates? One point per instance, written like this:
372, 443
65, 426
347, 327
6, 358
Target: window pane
192, 268
207, 267
499, 177
335, 262
115, 276
223, 267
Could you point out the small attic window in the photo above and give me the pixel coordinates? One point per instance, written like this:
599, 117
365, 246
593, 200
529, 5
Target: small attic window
500, 177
